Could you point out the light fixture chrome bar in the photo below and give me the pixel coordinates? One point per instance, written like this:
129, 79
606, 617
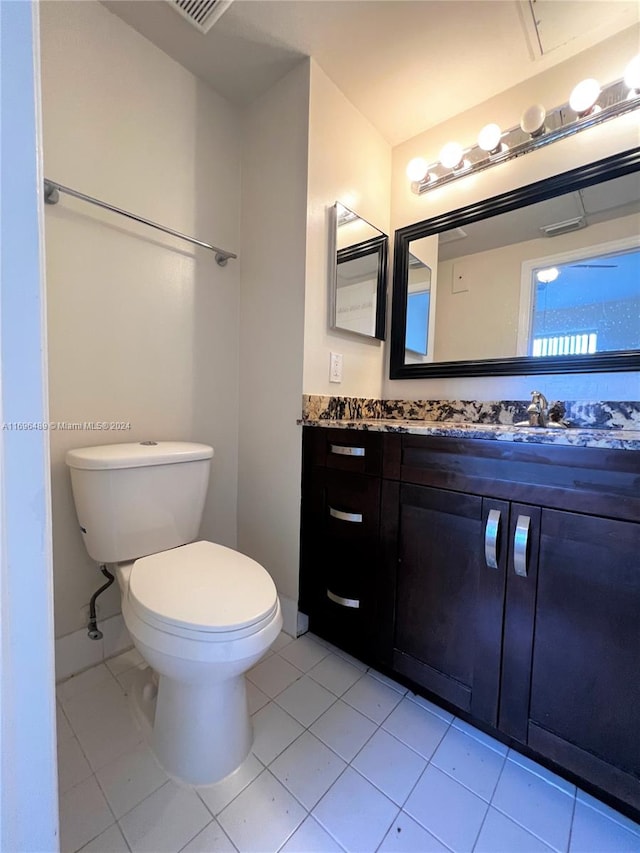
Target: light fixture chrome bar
52, 189
560, 123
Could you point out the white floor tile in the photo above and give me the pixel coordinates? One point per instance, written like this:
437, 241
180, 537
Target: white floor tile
501, 835
416, 726
130, 778
480, 736
73, 767
84, 814
109, 841
431, 706
447, 810
256, 699
538, 806
262, 817
217, 797
127, 660
310, 837
372, 698
407, 836
335, 673
308, 769
63, 729
116, 637
102, 722
390, 765
273, 731
355, 813
281, 641
304, 652
592, 832
542, 772
165, 821
607, 811
469, 762
212, 839
76, 652
273, 675
126, 678
350, 659
343, 729
78, 684
388, 681
305, 700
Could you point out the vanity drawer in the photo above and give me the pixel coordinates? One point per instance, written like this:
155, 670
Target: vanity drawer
357, 451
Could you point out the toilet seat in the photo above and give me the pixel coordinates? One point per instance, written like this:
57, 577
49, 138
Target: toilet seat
202, 591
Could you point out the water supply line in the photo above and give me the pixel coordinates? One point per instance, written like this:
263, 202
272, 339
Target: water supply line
92, 628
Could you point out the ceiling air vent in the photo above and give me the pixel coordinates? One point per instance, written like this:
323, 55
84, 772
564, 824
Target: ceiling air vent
451, 236
557, 228
202, 13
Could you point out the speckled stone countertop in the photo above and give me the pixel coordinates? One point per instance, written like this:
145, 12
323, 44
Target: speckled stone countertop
616, 425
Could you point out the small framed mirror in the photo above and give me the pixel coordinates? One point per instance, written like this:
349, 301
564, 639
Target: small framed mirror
357, 274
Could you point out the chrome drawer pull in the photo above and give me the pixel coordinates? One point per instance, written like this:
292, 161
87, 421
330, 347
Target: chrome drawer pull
344, 602
491, 538
354, 517
520, 542
341, 450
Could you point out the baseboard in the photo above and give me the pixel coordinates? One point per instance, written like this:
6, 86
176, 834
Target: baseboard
76, 652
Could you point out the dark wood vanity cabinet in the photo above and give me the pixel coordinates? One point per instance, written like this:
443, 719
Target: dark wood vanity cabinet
502, 578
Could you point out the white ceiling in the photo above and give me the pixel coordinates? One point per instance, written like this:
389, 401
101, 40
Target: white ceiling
407, 65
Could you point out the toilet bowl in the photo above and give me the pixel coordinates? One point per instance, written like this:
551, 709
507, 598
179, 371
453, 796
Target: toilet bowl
199, 613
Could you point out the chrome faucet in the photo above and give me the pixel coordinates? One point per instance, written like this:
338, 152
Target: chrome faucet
537, 409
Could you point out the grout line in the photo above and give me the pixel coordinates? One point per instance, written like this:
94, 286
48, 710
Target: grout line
573, 815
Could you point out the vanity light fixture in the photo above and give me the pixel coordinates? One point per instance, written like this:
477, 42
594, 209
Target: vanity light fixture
490, 139
532, 120
589, 105
584, 96
452, 157
632, 77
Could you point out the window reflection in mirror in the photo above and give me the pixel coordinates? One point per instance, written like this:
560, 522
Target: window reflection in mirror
358, 274
418, 312
587, 304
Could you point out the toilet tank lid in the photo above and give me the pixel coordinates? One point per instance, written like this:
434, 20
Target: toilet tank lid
137, 455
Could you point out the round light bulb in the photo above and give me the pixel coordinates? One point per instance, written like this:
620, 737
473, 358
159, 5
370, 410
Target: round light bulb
418, 169
632, 74
451, 155
489, 138
584, 96
548, 275
532, 120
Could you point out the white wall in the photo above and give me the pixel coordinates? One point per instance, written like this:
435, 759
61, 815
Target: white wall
274, 199
143, 328
606, 62
28, 785
348, 162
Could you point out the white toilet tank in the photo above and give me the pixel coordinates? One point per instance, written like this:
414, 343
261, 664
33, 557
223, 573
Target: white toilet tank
138, 499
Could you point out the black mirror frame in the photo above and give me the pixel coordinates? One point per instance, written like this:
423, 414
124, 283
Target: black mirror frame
375, 246
611, 167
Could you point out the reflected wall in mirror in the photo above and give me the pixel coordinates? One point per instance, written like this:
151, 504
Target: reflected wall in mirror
358, 274
545, 279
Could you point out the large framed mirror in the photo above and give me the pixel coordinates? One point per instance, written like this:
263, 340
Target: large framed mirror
543, 279
357, 274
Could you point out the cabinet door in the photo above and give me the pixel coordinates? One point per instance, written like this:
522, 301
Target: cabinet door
342, 554
448, 601
582, 677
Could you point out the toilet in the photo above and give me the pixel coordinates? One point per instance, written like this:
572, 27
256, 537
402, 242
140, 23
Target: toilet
199, 613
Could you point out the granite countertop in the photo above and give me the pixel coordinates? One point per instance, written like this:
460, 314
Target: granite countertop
611, 439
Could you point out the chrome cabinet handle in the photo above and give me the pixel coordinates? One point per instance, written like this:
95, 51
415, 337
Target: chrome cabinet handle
354, 517
491, 538
520, 542
344, 602
341, 450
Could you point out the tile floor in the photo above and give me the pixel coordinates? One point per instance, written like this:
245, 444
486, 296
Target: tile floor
343, 759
